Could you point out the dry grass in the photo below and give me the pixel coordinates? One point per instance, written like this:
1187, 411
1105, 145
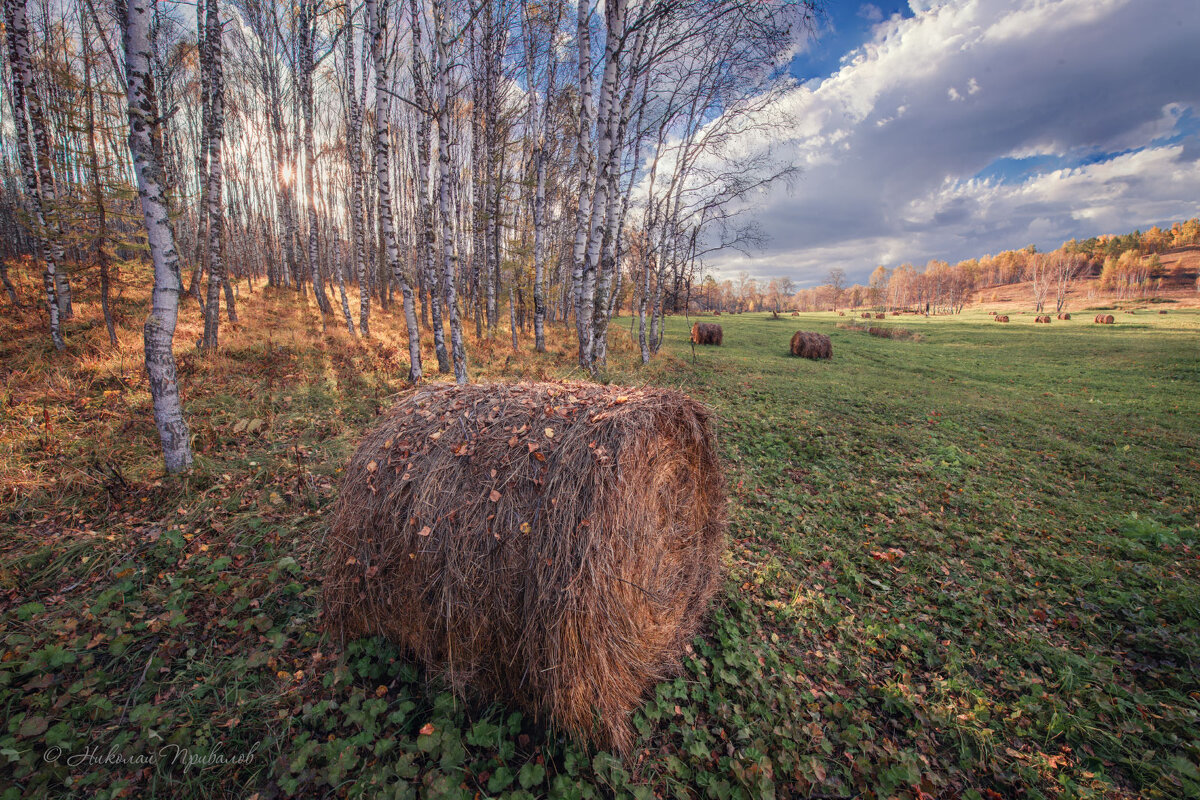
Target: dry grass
549, 545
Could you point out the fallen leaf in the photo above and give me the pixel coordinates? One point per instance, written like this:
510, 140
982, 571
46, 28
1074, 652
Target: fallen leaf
427, 729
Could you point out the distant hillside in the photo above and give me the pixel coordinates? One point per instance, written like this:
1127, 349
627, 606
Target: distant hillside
1180, 272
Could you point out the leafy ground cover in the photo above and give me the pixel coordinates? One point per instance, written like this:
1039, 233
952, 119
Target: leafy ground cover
960, 566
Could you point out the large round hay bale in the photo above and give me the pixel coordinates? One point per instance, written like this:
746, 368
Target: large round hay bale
1044, 318
881, 316
551, 546
1162, 311
1001, 318
809, 344
866, 315
716, 313
707, 333
1064, 316
1105, 319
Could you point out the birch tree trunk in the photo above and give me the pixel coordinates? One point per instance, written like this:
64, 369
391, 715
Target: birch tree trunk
101, 239
354, 156
308, 22
215, 211
376, 18
449, 252
424, 205
583, 155
614, 12
35, 163
159, 331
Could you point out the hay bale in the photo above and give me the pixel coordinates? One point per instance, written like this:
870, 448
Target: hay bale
866, 315
1162, 311
707, 333
1044, 318
993, 313
1104, 319
809, 344
716, 313
550, 546
1064, 316
1001, 318
881, 316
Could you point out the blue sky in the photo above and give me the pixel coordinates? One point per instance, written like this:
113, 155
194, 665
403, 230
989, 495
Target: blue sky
950, 129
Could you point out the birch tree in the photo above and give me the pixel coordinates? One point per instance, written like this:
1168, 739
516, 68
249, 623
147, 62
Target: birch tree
146, 149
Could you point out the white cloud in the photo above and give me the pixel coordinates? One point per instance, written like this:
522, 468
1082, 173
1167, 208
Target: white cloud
891, 142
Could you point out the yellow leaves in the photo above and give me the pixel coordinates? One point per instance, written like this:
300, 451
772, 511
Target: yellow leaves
427, 729
526, 527
372, 466
549, 433
380, 691
621, 400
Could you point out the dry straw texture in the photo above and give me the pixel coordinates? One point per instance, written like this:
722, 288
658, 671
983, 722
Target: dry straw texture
1043, 318
808, 344
1105, 319
1064, 316
707, 333
1002, 318
551, 546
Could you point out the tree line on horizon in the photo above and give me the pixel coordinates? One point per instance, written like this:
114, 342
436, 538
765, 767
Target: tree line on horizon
1127, 265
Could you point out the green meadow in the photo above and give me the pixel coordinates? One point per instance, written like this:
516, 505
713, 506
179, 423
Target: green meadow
963, 564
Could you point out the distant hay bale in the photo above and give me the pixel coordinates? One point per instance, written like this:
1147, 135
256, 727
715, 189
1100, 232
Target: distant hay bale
1043, 318
707, 333
1001, 318
550, 546
1104, 319
1162, 311
895, 313
809, 344
1064, 316
881, 316
865, 315
993, 313
716, 313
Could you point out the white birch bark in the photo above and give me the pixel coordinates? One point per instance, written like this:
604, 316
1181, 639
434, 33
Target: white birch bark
215, 210
449, 253
583, 155
35, 163
376, 18
159, 330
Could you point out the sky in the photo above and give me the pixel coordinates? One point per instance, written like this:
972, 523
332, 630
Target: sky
951, 129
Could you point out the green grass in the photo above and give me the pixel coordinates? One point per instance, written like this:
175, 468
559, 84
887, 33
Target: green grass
960, 566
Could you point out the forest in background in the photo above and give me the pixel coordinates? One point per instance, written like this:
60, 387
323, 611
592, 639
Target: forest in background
449, 159
1126, 266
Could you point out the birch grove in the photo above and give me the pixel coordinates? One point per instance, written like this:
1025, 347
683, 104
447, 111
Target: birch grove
426, 160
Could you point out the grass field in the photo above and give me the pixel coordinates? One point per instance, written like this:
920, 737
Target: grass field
964, 566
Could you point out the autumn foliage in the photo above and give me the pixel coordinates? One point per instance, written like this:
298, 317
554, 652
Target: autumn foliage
552, 546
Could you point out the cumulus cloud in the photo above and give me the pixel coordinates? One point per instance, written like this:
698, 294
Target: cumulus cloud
905, 149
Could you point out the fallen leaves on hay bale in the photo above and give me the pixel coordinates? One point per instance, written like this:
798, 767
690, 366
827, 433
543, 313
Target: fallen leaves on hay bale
552, 546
